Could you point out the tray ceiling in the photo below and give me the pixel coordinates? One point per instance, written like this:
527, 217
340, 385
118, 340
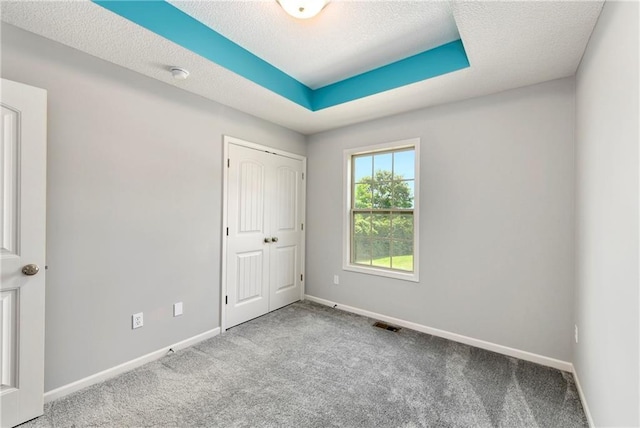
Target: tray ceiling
507, 44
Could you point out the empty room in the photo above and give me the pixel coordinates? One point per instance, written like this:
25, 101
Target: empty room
319, 213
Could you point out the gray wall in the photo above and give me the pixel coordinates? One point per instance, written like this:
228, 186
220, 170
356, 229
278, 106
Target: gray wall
606, 305
134, 204
496, 225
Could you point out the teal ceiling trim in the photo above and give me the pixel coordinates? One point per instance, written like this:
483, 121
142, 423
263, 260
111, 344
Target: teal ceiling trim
171, 23
434, 62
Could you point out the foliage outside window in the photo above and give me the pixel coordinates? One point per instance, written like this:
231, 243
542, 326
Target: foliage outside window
382, 210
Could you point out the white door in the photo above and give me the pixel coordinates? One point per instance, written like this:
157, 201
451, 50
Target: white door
248, 227
22, 250
264, 236
286, 230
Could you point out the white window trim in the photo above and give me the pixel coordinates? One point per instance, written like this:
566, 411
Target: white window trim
346, 208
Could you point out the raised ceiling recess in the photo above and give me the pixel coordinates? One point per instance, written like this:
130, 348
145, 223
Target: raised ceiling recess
354, 61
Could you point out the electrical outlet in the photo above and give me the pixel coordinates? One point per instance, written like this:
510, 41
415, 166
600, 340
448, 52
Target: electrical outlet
177, 309
336, 279
575, 332
136, 321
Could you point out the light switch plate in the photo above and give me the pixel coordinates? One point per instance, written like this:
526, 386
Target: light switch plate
177, 309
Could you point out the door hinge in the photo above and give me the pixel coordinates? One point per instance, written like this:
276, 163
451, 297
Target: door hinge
301, 226
301, 277
303, 175
227, 231
226, 300
228, 163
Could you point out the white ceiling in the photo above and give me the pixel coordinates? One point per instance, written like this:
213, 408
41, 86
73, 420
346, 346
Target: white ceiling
509, 44
345, 40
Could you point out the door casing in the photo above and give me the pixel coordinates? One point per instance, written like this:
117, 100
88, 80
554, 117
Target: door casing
237, 141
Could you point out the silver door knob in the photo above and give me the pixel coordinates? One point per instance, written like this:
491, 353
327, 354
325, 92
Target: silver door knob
30, 269
267, 240
274, 239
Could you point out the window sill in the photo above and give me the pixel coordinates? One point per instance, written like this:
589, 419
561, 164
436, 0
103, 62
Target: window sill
409, 276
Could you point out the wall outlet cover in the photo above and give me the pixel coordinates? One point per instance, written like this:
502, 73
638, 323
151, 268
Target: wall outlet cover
137, 320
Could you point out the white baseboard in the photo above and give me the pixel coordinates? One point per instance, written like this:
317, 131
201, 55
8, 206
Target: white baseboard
125, 367
583, 399
505, 350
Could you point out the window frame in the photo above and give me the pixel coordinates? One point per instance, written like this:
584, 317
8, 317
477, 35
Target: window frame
348, 214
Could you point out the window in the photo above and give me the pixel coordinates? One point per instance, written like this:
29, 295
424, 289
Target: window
382, 210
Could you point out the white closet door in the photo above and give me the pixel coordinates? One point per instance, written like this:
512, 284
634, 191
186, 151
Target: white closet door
23, 154
249, 221
264, 241
286, 229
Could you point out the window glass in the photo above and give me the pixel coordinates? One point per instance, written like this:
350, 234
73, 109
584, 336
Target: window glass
382, 209
363, 167
403, 165
382, 166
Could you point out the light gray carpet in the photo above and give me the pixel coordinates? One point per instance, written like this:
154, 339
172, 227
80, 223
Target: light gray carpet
307, 365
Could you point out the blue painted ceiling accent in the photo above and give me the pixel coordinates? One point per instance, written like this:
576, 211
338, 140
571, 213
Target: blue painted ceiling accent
171, 23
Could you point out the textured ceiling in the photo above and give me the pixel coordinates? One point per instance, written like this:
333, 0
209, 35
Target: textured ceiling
345, 40
509, 44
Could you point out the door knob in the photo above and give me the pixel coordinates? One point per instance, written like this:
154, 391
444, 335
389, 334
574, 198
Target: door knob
274, 239
30, 269
267, 240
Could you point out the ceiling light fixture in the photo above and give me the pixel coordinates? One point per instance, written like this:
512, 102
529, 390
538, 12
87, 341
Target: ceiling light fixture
179, 73
303, 9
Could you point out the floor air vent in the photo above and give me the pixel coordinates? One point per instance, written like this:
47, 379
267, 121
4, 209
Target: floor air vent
386, 326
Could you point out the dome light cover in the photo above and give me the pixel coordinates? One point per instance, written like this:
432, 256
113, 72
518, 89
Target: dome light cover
303, 9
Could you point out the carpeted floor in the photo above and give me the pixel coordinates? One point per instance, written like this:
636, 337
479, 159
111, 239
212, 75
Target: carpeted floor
307, 365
